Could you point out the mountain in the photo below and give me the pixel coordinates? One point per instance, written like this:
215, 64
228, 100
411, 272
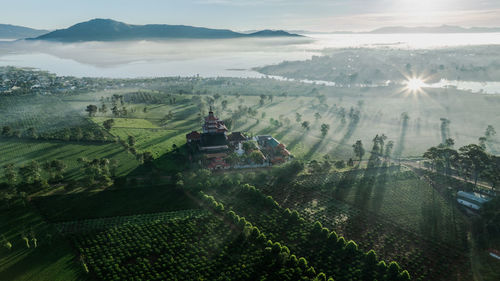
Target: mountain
419, 29
271, 33
435, 29
8, 31
111, 30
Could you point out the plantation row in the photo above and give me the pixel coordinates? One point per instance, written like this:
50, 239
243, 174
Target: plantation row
82, 226
423, 256
324, 249
203, 248
400, 198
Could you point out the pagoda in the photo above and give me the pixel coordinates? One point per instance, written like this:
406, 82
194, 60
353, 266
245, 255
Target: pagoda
213, 125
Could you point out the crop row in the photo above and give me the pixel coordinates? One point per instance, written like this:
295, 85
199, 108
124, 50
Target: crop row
104, 223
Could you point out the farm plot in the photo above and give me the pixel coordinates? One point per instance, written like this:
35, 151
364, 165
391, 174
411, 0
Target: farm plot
50, 259
113, 203
335, 257
20, 152
105, 223
127, 122
45, 114
156, 141
399, 197
423, 253
203, 248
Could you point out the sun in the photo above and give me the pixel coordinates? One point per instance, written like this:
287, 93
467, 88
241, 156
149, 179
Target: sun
414, 84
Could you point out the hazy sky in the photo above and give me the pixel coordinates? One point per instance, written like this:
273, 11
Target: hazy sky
317, 15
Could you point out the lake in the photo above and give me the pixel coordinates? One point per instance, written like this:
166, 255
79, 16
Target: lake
212, 58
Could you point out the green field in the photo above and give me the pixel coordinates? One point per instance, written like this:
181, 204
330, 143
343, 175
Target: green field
111, 203
52, 259
391, 210
20, 152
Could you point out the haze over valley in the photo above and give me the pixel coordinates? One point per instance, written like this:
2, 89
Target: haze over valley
250, 140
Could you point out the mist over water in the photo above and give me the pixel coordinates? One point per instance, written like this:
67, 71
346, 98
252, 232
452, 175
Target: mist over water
207, 58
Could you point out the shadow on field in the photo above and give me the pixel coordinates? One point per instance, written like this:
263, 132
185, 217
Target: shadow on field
351, 128
315, 148
111, 203
43, 261
296, 140
398, 151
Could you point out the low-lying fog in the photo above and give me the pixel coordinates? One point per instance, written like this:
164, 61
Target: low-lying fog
208, 58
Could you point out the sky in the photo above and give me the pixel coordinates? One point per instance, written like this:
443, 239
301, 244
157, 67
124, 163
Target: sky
241, 15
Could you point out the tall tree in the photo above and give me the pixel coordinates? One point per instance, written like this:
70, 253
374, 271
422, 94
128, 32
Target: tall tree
10, 174
359, 151
324, 129
445, 129
476, 158
91, 109
305, 125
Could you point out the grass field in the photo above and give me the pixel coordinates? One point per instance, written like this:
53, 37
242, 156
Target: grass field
53, 259
22, 151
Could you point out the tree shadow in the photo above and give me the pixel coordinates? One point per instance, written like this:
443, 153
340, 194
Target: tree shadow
379, 189
351, 128
314, 148
398, 151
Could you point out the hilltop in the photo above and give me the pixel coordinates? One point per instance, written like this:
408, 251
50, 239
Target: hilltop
8, 31
111, 30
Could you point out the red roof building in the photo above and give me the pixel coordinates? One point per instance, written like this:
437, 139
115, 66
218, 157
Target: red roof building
213, 124
193, 137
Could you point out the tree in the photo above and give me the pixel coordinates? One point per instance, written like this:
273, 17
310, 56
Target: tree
31, 172
31, 133
91, 109
476, 158
103, 109
324, 129
359, 151
147, 157
78, 134
108, 124
131, 141
257, 157
10, 174
115, 111
232, 159
305, 125
298, 117
54, 168
262, 100
445, 129
7, 131
490, 132
317, 116
224, 104
249, 146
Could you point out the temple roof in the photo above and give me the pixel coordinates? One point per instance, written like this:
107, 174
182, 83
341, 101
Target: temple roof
236, 136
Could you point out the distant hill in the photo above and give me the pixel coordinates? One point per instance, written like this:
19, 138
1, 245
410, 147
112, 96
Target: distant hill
418, 29
8, 31
111, 30
435, 29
